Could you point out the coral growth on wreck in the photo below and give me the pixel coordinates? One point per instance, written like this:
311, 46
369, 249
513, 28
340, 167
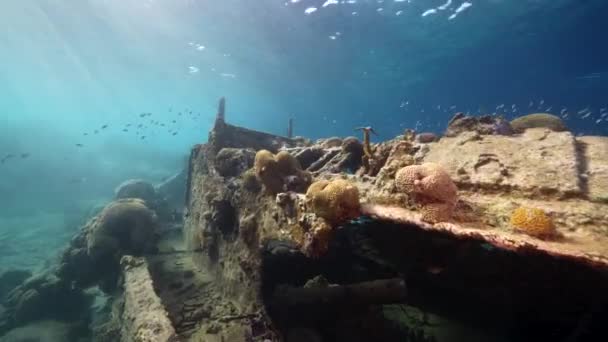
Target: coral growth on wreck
432, 188
250, 181
534, 222
124, 227
316, 241
281, 172
536, 120
336, 201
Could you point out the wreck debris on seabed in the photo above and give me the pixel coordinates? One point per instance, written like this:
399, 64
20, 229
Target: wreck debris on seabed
490, 232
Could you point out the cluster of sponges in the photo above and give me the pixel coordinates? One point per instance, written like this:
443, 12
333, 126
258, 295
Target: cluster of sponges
280, 172
534, 222
432, 189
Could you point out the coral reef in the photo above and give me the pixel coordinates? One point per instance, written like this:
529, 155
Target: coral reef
433, 189
125, 226
534, 222
538, 120
336, 201
40, 296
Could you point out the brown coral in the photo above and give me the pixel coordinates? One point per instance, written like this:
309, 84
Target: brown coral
287, 164
534, 222
335, 201
281, 172
433, 190
544, 120
125, 226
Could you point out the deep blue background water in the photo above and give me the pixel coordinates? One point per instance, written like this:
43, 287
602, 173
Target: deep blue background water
68, 67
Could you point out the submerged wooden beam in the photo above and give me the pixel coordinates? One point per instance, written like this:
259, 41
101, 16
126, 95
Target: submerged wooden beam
144, 317
384, 291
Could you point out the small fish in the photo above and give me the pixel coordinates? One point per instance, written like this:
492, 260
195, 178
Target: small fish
548, 109
586, 115
598, 121
564, 110
95, 132
125, 130
583, 110
542, 102
128, 125
174, 133
85, 134
78, 145
7, 157
531, 104
143, 137
104, 126
77, 180
174, 121
24, 155
142, 115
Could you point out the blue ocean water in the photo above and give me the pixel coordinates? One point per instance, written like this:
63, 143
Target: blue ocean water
93, 92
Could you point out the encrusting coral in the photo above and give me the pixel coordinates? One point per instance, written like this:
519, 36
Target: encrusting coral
281, 172
432, 188
534, 222
336, 201
316, 241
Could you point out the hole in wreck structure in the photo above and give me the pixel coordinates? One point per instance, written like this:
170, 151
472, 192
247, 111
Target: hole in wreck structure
457, 290
226, 219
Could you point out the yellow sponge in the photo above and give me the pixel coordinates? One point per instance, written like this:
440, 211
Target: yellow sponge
533, 221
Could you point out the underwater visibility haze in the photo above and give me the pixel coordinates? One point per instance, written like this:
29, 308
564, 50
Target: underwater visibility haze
97, 92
